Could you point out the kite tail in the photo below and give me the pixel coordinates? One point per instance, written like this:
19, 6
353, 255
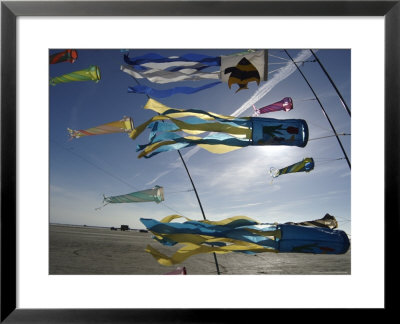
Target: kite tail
181, 255
104, 204
193, 249
205, 115
232, 222
169, 92
154, 59
234, 234
195, 129
167, 76
98, 208
136, 131
214, 144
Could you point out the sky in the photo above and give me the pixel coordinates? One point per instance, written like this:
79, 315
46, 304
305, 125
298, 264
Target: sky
237, 183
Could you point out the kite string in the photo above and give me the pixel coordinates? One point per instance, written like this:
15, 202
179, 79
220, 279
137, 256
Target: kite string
282, 58
332, 83
288, 60
301, 62
328, 160
308, 99
110, 174
322, 107
339, 134
274, 63
174, 210
91, 163
269, 72
172, 192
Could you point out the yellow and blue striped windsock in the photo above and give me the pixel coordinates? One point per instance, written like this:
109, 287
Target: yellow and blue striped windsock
303, 166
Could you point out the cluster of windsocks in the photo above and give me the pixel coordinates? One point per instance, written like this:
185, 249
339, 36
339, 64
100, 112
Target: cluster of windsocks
175, 129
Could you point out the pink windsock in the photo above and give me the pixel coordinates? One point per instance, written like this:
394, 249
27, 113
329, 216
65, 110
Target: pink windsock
285, 104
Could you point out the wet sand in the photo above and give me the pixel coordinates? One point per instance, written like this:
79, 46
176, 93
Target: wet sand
86, 250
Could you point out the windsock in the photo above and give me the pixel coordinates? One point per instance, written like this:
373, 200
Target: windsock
92, 73
65, 56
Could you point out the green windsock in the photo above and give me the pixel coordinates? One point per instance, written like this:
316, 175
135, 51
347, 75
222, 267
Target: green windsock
92, 73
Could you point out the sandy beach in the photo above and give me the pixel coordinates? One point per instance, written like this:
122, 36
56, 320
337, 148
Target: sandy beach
88, 250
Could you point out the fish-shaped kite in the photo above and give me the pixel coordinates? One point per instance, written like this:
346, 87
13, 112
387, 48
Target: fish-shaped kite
240, 234
243, 73
306, 165
239, 68
285, 104
92, 73
228, 133
68, 55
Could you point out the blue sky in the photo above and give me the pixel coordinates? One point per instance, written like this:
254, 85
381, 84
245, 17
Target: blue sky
231, 184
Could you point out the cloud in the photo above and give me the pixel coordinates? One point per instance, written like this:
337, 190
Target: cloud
247, 205
158, 177
345, 174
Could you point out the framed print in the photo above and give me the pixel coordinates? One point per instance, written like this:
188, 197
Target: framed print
72, 244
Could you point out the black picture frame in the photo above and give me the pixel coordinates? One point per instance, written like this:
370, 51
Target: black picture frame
10, 10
